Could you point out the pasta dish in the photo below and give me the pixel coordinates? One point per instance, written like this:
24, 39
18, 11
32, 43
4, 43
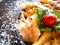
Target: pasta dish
40, 26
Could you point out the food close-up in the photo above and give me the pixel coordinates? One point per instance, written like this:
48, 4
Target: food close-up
40, 26
38, 22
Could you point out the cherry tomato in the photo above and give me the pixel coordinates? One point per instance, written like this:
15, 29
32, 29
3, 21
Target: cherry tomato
50, 20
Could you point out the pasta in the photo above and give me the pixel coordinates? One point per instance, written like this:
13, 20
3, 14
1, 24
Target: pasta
56, 41
30, 32
29, 27
44, 38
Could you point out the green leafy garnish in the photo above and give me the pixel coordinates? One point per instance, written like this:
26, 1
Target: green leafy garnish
41, 13
40, 16
57, 26
56, 13
46, 29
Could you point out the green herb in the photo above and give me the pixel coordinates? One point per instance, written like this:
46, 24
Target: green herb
56, 13
46, 29
40, 15
58, 20
40, 12
57, 26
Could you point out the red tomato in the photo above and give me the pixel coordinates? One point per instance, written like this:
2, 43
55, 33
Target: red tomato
50, 20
